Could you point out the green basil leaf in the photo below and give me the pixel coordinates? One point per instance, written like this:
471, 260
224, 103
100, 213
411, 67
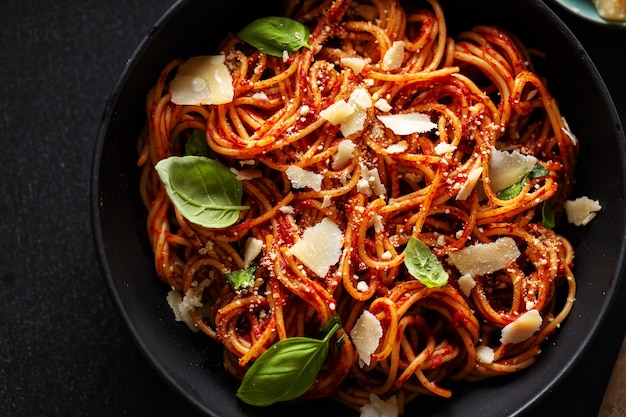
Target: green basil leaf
196, 144
547, 215
273, 35
423, 265
286, 370
202, 189
538, 171
512, 190
241, 279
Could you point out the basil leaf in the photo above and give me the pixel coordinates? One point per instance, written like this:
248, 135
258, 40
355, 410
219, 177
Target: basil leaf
423, 265
241, 279
273, 35
286, 370
538, 171
512, 190
202, 189
547, 215
196, 144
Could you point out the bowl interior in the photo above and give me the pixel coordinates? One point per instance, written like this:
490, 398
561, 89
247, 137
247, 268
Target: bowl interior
191, 363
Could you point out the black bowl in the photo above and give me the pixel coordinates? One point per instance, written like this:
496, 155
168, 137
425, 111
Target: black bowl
191, 363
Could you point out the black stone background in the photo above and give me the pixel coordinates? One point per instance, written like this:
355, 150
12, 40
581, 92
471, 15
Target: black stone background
64, 350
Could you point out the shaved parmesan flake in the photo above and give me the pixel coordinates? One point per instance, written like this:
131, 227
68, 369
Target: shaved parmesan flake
202, 80
181, 306
469, 184
466, 284
407, 123
360, 100
252, 249
398, 147
582, 210
336, 112
355, 64
260, 96
508, 168
370, 182
394, 56
522, 328
443, 147
301, 178
366, 336
485, 354
485, 258
287, 209
345, 150
320, 247
383, 105
380, 408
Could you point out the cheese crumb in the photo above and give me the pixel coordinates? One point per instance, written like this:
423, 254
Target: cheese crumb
301, 178
522, 328
202, 80
383, 105
399, 147
354, 63
485, 258
466, 284
485, 354
320, 247
443, 148
366, 336
582, 210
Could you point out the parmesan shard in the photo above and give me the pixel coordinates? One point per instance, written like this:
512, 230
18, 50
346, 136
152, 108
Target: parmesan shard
508, 168
202, 80
407, 123
485, 258
470, 183
466, 284
383, 105
522, 328
399, 147
354, 63
378, 407
320, 247
581, 210
485, 354
301, 178
394, 56
182, 305
252, 249
443, 148
336, 112
360, 100
366, 335
345, 150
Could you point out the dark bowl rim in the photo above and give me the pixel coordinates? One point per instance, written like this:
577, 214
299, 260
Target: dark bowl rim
94, 196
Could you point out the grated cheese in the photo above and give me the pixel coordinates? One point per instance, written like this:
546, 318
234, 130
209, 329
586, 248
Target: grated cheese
485, 258
320, 247
202, 80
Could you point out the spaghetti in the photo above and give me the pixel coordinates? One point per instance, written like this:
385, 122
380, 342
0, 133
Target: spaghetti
482, 97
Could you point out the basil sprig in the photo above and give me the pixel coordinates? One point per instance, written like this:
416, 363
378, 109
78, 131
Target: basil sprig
202, 189
423, 265
287, 369
196, 144
242, 279
508, 193
274, 35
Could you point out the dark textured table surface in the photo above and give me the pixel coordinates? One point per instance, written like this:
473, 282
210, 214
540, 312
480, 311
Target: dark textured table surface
64, 350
